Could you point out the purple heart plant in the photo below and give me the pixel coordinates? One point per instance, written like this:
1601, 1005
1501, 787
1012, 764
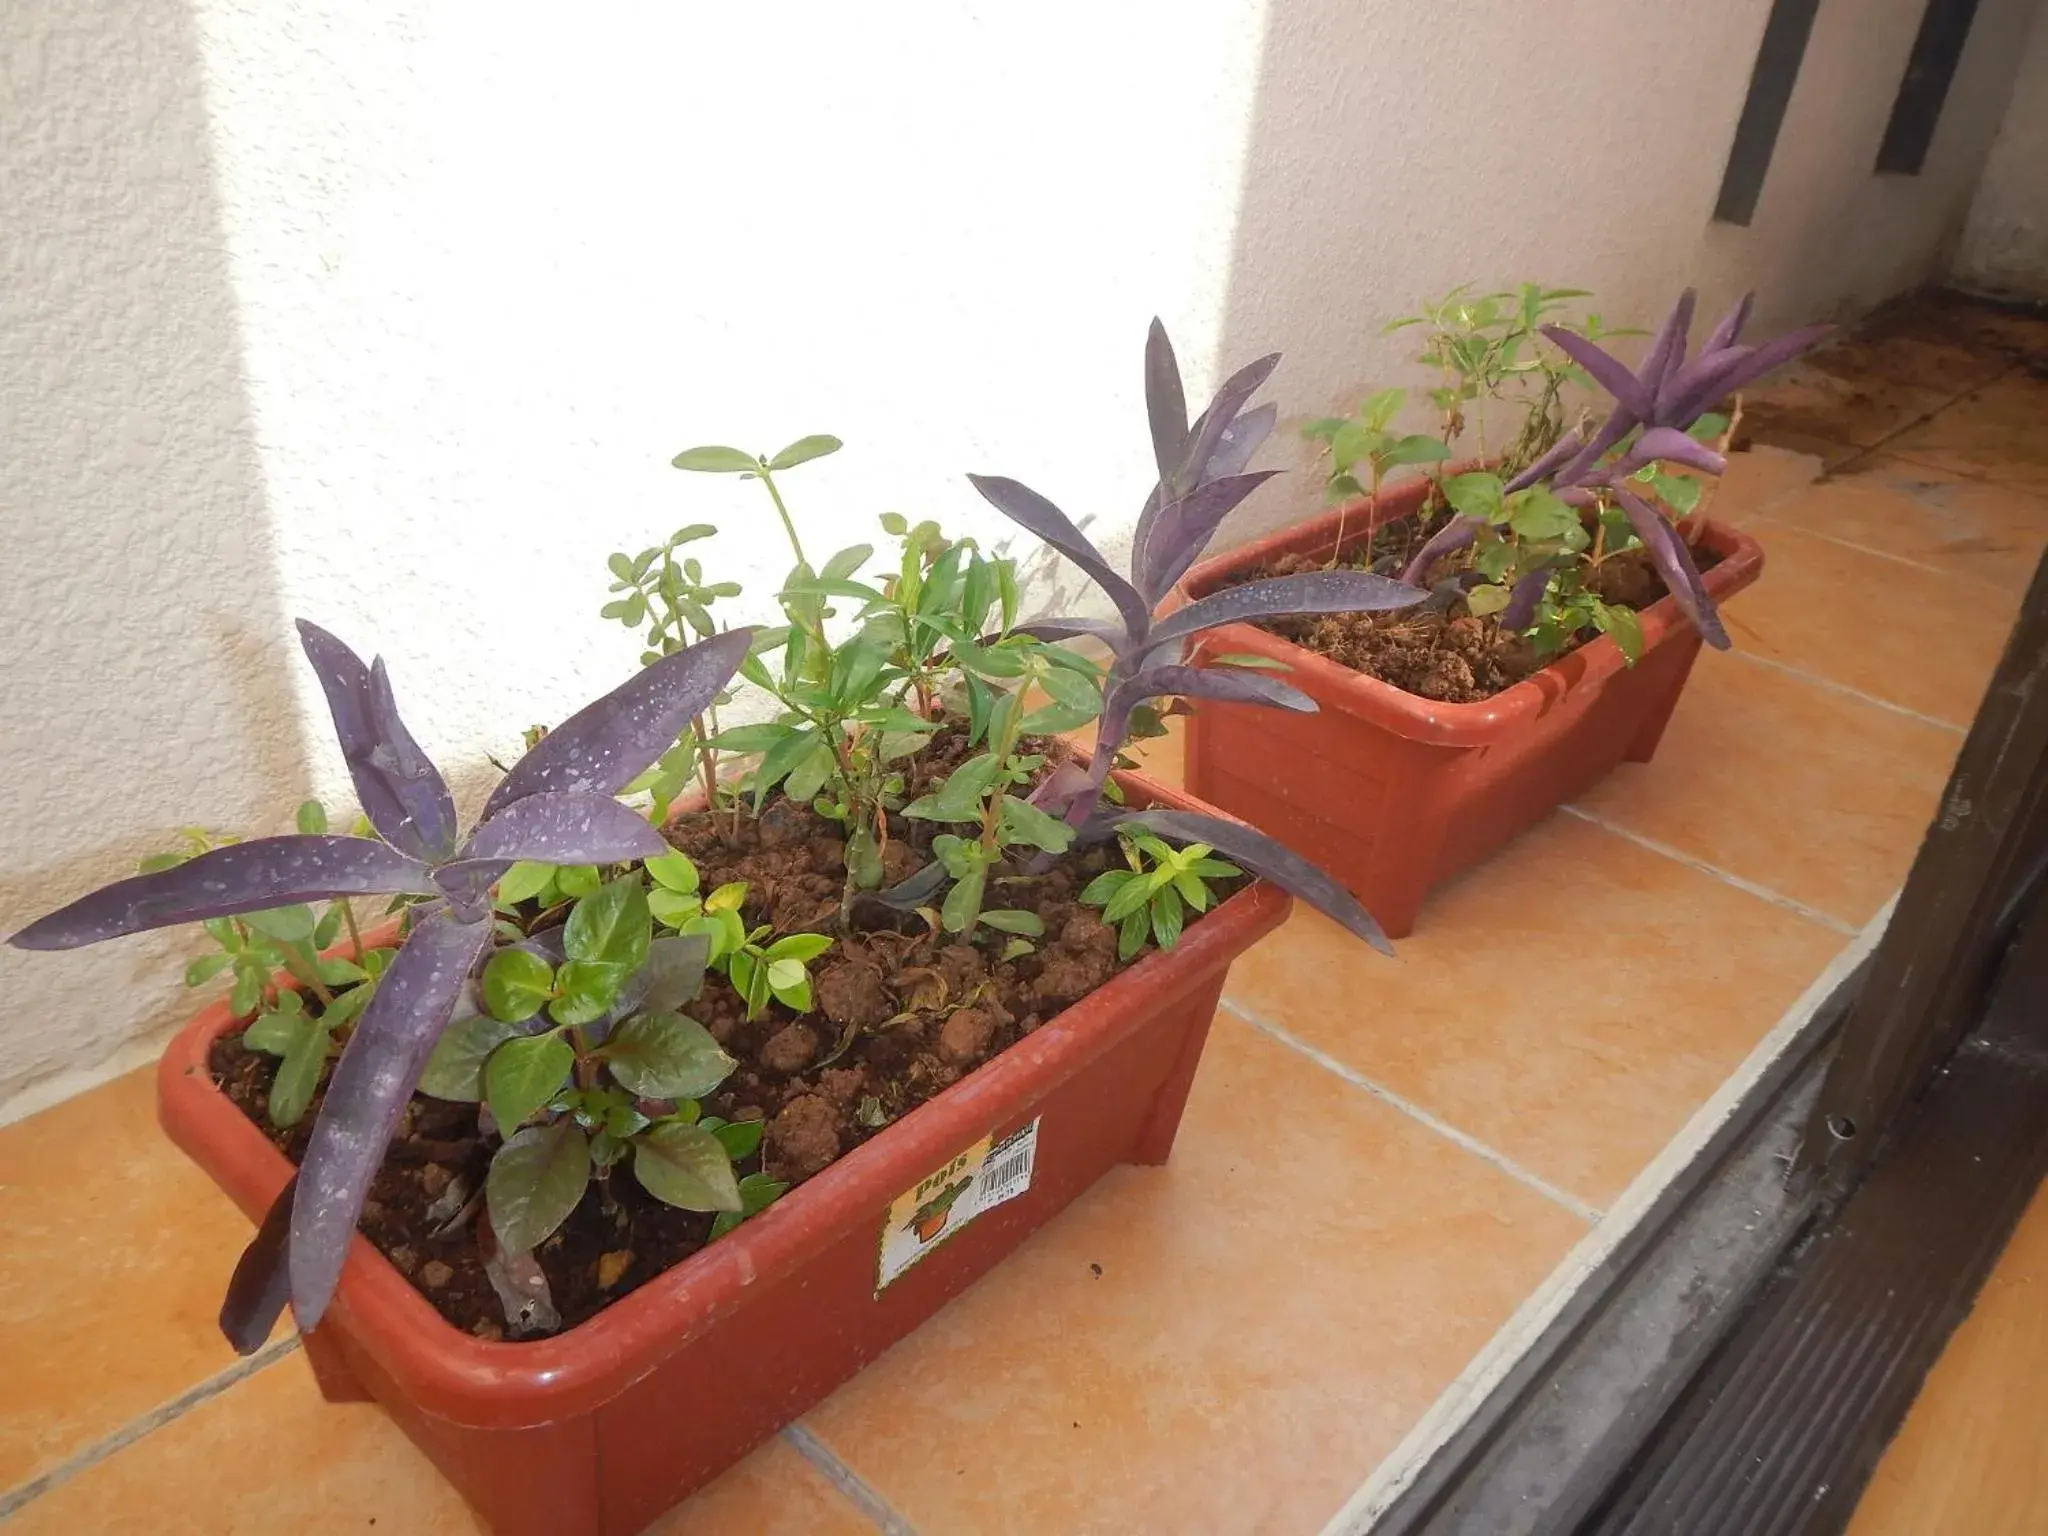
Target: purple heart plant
1202, 478
1531, 549
556, 806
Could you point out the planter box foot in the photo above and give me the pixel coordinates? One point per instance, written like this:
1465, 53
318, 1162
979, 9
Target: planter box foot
1162, 1122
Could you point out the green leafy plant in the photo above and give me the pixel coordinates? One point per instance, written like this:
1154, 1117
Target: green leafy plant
1368, 439
1152, 898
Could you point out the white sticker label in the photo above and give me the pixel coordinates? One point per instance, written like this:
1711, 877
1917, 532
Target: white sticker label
979, 1179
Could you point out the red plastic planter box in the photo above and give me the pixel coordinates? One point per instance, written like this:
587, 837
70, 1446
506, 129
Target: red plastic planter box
598, 1430
1392, 793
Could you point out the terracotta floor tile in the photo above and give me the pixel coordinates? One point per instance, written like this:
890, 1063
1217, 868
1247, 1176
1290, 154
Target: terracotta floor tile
1806, 791
1273, 1310
268, 1456
1967, 527
1916, 638
1757, 479
114, 1256
1999, 433
1569, 1003
1972, 1456
1908, 356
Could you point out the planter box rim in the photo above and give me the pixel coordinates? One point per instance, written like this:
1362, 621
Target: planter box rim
1429, 720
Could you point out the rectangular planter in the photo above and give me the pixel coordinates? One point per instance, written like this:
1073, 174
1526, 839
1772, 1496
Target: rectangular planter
1393, 794
598, 1430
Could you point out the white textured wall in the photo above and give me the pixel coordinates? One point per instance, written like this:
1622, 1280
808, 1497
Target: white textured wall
392, 316
2005, 244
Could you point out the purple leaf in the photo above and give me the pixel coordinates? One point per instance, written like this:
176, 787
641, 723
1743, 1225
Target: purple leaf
371, 1084
1309, 592
1524, 598
1258, 853
1222, 415
1674, 563
1669, 445
260, 1285
566, 827
1447, 540
1240, 440
1608, 371
1166, 405
1730, 329
1185, 527
1227, 683
1667, 351
604, 746
1619, 423
402, 793
1557, 454
1745, 368
1034, 514
242, 877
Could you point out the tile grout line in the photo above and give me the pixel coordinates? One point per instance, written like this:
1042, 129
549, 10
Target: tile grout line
849, 1483
1487, 1369
1414, 1111
137, 1429
1843, 688
1876, 554
1750, 887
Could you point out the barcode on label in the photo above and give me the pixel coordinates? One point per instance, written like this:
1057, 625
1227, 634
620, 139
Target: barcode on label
1007, 1173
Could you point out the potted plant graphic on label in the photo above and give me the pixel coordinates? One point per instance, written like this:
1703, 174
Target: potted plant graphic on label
940, 1204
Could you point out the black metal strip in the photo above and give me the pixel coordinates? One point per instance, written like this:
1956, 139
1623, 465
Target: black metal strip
1778, 57
1778, 1436
1930, 71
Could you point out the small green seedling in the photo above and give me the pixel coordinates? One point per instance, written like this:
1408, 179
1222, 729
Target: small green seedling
1153, 897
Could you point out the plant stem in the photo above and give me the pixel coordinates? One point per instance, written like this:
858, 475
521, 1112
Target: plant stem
788, 527
355, 938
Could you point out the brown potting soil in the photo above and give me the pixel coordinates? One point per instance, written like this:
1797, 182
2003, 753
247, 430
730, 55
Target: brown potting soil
901, 1013
1438, 653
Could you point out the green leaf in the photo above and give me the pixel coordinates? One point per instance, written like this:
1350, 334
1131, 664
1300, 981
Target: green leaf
1324, 428
610, 927
1380, 408
1624, 626
686, 1166
674, 973
779, 759
1166, 917
248, 990
757, 1193
1130, 897
312, 817
328, 929
157, 863
535, 1181
810, 774
298, 1074
1535, 514
346, 1006
287, 924
666, 1056
455, 1069
800, 947
863, 859
672, 908
1055, 719
716, 461
804, 449
846, 562
576, 880
1013, 920
205, 968
674, 872
750, 738
1416, 448
337, 972
586, 990
1018, 947
1483, 600
963, 901
1477, 494
959, 798
894, 524
1681, 493
727, 898
516, 984
273, 1031
1023, 822
1708, 427
789, 983
1246, 659
739, 1137
1105, 885
522, 1075
1130, 938
1356, 442
524, 881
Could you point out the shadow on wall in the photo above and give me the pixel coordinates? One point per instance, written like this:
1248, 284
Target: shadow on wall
145, 681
